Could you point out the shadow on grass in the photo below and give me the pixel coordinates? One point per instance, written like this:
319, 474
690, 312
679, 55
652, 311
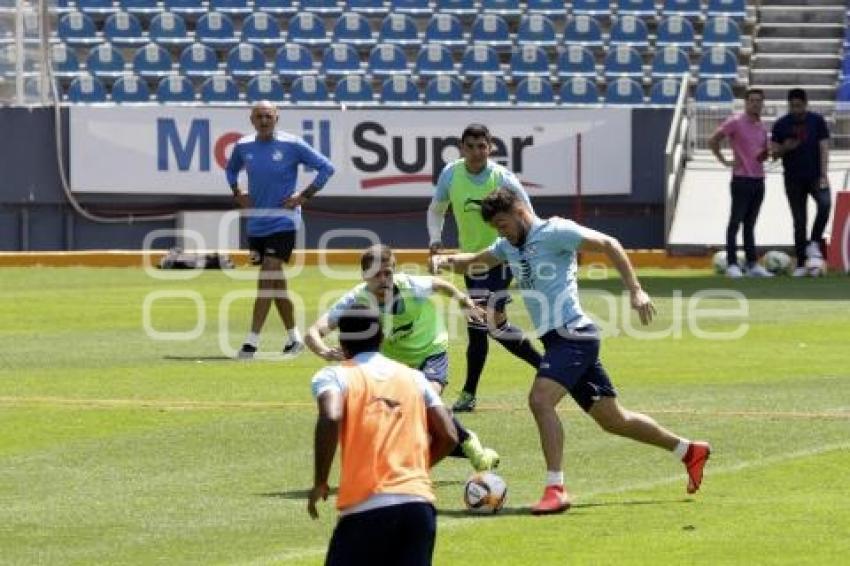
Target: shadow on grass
574, 509
292, 494
199, 358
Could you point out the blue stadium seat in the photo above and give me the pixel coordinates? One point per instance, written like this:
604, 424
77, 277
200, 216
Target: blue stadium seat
353, 28
843, 93
130, 88
216, 30
151, 61
480, 60
579, 90
199, 60
7, 30
529, 60
354, 89
293, 60
687, 8
184, 7
444, 90
307, 28
537, 29
665, 92
399, 89
175, 88
411, 7
576, 61
368, 7
675, 30
492, 30
65, 62
733, 8
639, 8
264, 87
623, 61
168, 29
340, 59
461, 8
262, 29
534, 90
489, 89
434, 60
321, 7
721, 30
86, 88
671, 61
718, 63
624, 91
446, 30
97, 7
60, 7
77, 29
105, 61
277, 7
219, 89
245, 60
387, 59
140, 7
629, 30
124, 30
583, 30
592, 7
713, 91
399, 29
37, 89
231, 7
308, 89
555, 9
505, 8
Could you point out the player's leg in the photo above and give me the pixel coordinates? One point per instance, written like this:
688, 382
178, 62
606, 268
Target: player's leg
284, 243
736, 216
755, 188
361, 538
263, 300
511, 337
544, 397
477, 348
413, 542
823, 202
797, 203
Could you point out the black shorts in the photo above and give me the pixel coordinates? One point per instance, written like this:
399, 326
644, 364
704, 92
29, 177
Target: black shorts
491, 287
278, 245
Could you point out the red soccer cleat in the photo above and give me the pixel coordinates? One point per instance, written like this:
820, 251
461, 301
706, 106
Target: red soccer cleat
555, 500
694, 460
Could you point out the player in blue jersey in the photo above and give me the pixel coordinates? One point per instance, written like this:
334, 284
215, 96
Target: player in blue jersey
542, 256
271, 159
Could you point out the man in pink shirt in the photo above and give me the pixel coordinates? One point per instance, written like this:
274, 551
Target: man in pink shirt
748, 138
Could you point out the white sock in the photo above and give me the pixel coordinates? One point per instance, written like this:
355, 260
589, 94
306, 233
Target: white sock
681, 448
294, 335
555, 478
253, 339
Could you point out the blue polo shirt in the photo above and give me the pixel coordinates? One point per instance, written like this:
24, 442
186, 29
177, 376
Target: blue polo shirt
803, 163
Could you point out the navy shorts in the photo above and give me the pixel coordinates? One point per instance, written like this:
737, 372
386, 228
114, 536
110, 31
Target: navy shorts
494, 282
278, 245
571, 358
436, 368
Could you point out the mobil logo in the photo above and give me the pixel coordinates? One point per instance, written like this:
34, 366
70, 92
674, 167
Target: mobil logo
191, 147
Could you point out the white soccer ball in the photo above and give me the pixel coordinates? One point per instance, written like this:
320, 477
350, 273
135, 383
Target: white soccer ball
777, 262
720, 264
484, 493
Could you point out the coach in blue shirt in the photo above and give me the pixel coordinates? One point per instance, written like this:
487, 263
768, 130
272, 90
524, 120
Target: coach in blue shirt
801, 139
271, 159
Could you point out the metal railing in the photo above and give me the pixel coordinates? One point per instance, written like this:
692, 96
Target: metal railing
675, 154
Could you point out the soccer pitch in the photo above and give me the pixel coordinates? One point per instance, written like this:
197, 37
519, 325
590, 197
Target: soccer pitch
119, 448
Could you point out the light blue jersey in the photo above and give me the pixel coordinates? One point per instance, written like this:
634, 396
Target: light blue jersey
272, 168
545, 270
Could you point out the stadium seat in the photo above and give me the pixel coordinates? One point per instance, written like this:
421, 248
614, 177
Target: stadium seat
60, 7
386, 59
399, 89
124, 30
219, 89
168, 29
7, 30
65, 62
307, 28
399, 29
262, 29
732, 8
718, 63
576, 61
446, 30
623, 61
555, 9
340, 59
293, 60
264, 87
579, 90
354, 89
670, 61
629, 30
105, 61
529, 60
505, 8
140, 7
129, 88
624, 91
151, 61
277, 7
368, 7
354, 29
216, 30
245, 60
184, 7
480, 60
77, 29
433, 60
492, 30
199, 60
675, 30
411, 7
713, 91
175, 88
461, 8
308, 89
537, 29
37, 89
843, 93
230, 7
534, 90
592, 7
321, 7
639, 8
686, 8
444, 90
721, 30
86, 88
583, 30
665, 92
96, 7
489, 89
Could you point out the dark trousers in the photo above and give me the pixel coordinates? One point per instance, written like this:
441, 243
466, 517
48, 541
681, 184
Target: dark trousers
797, 191
401, 535
747, 196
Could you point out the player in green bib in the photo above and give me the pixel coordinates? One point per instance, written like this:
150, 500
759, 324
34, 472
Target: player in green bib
463, 184
414, 331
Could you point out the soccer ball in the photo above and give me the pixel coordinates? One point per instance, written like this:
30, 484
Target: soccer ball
777, 262
484, 493
720, 264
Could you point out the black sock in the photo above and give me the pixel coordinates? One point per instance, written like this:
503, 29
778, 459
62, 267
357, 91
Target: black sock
462, 435
517, 344
476, 355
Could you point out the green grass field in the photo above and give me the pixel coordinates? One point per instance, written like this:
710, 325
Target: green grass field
116, 448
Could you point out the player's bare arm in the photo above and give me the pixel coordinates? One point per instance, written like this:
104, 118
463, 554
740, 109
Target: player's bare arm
443, 434
315, 340
468, 263
473, 311
325, 442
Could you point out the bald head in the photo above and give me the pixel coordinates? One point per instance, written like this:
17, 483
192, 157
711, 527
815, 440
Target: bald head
264, 119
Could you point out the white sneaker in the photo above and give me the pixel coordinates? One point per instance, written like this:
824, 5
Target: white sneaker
817, 271
758, 271
734, 272
813, 251
292, 349
800, 272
